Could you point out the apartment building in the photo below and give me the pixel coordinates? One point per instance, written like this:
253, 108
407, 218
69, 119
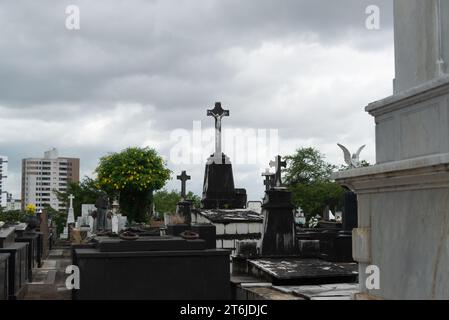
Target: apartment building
3, 176
41, 177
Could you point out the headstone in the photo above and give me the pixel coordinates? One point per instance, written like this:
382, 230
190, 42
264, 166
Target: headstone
122, 222
115, 224
102, 209
279, 237
269, 181
184, 206
115, 207
91, 224
87, 210
184, 178
278, 164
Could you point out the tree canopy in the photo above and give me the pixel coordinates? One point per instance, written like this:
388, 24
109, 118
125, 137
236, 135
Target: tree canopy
308, 177
165, 202
133, 175
86, 191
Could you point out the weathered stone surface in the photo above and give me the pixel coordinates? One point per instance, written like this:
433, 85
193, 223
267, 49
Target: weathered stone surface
414, 123
408, 213
421, 30
291, 271
361, 244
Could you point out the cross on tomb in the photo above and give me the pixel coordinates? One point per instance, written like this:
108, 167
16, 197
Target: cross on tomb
278, 164
218, 113
268, 179
71, 197
183, 177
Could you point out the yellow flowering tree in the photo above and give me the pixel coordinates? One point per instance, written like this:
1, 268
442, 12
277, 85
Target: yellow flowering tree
133, 174
30, 209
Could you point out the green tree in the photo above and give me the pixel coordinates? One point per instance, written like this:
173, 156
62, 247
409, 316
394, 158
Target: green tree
86, 191
59, 218
308, 177
196, 199
133, 175
12, 216
165, 202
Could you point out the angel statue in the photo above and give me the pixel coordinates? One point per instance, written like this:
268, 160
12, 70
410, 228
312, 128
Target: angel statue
354, 160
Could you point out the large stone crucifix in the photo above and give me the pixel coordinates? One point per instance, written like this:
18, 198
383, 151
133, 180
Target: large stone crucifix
278, 164
183, 177
218, 113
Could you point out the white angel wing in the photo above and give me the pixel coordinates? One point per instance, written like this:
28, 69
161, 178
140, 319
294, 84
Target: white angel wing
346, 153
360, 150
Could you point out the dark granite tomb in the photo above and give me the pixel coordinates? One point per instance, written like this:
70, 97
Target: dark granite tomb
156, 268
350, 211
303, 271
18, 269
4, 257
335, 239
279, 224
279, 238
7, 236
33, 241
20, 229
206, 232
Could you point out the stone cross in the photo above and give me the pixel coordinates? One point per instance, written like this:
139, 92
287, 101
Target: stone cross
70, 214
278, 164
268, 179
183, 177
71, 197
218, 113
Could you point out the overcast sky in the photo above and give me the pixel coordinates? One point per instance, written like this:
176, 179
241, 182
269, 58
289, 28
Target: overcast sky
137, 70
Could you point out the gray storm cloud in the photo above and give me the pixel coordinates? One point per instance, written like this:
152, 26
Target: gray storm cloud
139, 69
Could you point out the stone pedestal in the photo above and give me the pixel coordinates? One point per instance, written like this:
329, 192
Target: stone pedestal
403, 201
218, 187
279, 224
183, 209
403, 226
